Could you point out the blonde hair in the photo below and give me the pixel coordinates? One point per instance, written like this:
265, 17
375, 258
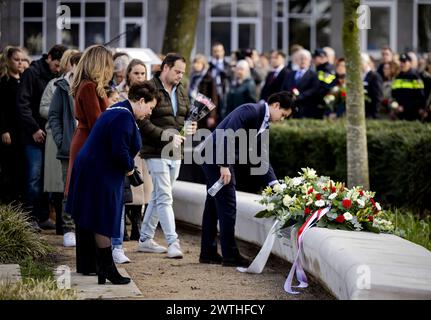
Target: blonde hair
65, 59
95, 65
5, 59
202, 59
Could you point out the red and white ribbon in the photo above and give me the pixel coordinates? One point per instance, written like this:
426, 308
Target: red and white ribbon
297, 267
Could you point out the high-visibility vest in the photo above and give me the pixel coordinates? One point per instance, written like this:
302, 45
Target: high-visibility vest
407, 84
325, 77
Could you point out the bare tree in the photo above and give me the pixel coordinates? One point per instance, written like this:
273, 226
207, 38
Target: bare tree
357, 153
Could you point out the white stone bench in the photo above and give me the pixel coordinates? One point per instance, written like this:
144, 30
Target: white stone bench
352, 265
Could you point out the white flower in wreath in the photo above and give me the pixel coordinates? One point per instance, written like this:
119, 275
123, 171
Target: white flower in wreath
277, 188
296, 181
361, 203
270, 207
378, 207
310, 173
348, 216
319, 203
352, 194
288, 200
332, 196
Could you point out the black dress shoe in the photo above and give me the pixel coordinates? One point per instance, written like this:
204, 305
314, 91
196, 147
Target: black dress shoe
213, 259
48, 224
238, 261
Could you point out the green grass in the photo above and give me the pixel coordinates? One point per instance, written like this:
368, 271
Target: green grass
37, 269
20, 244
35, 289
410, 227
18, 241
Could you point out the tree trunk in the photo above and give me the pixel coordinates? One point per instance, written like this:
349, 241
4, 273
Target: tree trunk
357, 154
181, 27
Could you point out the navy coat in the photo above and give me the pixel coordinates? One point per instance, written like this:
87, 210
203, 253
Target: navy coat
95, 198
247, 116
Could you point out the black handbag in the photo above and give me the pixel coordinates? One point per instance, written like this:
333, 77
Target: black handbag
135, 178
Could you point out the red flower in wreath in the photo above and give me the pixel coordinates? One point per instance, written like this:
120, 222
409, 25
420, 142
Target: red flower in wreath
340, 218
347, 203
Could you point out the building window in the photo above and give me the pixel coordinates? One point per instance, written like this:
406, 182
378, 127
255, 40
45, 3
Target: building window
306, 23
33, 33
383, 27
133, 23
235, 23
422, 29
88, 24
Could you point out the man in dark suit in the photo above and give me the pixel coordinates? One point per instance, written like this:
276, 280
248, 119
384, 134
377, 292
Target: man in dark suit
307, 83
254, 119
220, 70
275, 78
373, 88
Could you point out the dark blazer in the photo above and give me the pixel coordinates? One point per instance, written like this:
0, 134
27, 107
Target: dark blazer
96, 191
247, 116
241, 93
33, 83
272, 85
373, 85
9, 121
308, 99
162, 118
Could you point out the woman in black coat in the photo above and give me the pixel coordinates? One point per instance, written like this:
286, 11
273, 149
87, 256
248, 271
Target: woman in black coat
11, 164
95, 198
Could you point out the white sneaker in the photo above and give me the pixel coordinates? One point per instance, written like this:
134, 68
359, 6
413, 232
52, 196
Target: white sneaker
174, 251
150, 245
69, 239
118, 256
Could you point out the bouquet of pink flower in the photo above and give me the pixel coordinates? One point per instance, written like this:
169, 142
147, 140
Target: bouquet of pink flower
294, 199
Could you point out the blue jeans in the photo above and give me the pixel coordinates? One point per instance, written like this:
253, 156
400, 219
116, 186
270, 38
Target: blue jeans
118, 242
34, 181
163, 173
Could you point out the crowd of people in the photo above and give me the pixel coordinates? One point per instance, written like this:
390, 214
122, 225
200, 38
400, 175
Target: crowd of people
77, 126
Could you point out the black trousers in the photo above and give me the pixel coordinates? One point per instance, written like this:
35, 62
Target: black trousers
85, 251
221, 208
12, 173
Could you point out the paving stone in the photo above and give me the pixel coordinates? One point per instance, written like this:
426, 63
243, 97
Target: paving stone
86, 287
10, 273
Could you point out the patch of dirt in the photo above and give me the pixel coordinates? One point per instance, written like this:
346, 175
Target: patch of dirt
159, 277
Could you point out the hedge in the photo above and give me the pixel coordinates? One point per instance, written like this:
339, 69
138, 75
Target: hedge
399, 156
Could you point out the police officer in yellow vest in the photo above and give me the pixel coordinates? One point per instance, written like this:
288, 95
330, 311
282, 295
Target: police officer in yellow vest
408, 91
325, 73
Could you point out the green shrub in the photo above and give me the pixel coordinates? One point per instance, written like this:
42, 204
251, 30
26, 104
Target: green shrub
35, 290
410, 227
18, 241
399, 156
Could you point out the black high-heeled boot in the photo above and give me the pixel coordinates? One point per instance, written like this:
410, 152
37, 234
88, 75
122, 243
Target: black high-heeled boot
107, 268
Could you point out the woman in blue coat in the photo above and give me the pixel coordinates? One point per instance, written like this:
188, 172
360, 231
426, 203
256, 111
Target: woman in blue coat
95, 196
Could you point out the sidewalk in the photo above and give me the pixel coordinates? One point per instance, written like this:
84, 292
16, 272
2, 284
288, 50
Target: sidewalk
158, 277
